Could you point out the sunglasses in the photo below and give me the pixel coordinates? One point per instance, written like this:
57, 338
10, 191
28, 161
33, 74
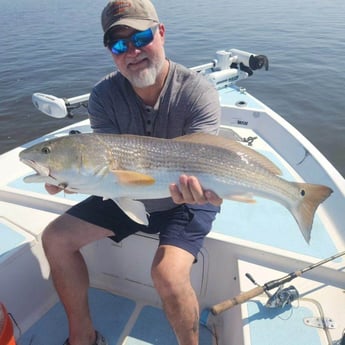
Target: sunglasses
139, 39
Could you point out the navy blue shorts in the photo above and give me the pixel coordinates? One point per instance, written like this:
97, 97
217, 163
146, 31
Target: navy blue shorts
184, 226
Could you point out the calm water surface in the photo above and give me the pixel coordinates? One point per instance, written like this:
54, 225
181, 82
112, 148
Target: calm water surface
55, 46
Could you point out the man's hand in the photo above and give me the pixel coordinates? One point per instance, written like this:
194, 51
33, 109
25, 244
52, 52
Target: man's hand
191, 192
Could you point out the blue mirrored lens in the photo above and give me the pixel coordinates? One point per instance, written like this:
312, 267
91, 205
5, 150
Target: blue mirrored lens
119, 47
139, 39
143, 38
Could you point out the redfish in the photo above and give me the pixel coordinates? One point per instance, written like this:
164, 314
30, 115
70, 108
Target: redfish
128, 168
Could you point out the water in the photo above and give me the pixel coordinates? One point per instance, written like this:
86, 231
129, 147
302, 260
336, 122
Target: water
55, 46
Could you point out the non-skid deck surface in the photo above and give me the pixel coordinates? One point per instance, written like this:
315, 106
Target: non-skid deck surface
119, 319
283, 326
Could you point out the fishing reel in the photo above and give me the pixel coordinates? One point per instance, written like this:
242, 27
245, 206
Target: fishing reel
281, 298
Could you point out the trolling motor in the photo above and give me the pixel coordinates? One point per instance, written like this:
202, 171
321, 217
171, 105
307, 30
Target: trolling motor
230, 66
58, 107
249, 61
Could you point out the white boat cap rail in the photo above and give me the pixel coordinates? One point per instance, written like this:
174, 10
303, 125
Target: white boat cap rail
226, 69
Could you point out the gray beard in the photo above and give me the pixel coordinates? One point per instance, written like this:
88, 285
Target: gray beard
147, 77
145, 80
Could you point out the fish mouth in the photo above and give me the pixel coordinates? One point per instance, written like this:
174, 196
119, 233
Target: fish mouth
42, 172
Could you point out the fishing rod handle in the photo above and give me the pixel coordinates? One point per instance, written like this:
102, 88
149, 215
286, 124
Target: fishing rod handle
239, 299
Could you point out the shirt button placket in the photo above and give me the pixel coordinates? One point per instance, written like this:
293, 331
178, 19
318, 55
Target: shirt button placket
148, 123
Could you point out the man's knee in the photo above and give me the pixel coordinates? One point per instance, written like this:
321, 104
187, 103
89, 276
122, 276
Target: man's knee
55, 236
161, 276
170, 271
50, 235
165, 283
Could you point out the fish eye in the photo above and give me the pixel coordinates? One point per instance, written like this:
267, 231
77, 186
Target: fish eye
45, 150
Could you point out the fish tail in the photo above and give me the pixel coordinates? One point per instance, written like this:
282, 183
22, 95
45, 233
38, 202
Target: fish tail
312, 195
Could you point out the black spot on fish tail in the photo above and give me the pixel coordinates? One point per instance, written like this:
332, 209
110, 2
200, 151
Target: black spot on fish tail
312, 195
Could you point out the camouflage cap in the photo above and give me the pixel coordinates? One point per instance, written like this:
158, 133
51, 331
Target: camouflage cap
137, 14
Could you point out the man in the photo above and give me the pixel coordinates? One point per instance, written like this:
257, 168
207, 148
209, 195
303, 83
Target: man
149, 95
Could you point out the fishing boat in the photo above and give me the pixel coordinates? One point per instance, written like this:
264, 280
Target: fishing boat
258, 281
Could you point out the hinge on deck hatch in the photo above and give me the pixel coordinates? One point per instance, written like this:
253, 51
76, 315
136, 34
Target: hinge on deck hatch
320, 322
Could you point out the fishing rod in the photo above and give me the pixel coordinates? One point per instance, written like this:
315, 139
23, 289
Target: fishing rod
246, 296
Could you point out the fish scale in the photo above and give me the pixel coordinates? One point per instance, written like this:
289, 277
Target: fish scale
182, 157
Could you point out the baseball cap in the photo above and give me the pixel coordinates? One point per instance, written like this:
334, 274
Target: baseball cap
137, 14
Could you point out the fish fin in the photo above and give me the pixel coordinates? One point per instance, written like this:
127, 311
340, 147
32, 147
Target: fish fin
246, 198
134, 210
231, 145
127, 177
312, 195
36, 178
